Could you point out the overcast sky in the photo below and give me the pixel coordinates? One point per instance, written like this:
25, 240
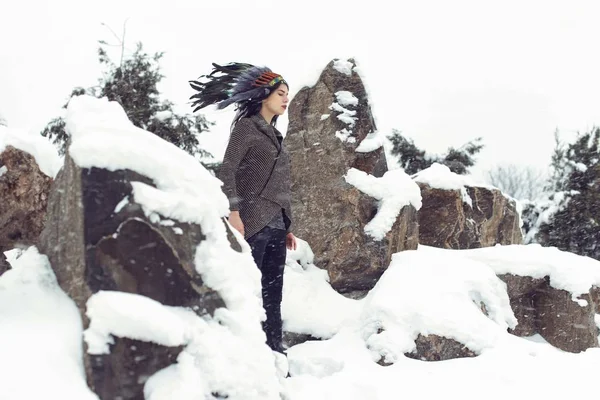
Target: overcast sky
442, 72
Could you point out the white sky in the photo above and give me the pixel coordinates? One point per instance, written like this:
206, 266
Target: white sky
441, 72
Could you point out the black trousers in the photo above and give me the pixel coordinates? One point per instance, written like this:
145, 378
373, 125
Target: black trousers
269, 251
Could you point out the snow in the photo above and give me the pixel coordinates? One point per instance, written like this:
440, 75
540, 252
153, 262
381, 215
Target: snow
519, 367
439, 291
3, 170
578, 166
581, 302
343, 66
103, 137
346, 98
310, 305
371, 142
424, 291
325, 116
543, 211
368, 93
218, 360
39, 147
40, 334
537, 338
210, 360
178, 381
345, 115
133, 316
439, 176
567, 271
345, 136
121, 204
303, 254
163, 115
398, 305
394, 190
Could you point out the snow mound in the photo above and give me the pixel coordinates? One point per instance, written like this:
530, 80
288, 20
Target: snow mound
39, 147
310, 305
40, 334
433, 291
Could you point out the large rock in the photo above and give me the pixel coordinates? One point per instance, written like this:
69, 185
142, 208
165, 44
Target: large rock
24, 192
98, 238
552, 313
439, 348
521, 292
329, 213
447, 221
564, 323
128, 367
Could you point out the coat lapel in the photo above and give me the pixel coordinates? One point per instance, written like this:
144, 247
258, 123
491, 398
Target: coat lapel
267, 129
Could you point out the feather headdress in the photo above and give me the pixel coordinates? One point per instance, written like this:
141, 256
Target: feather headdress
233, 83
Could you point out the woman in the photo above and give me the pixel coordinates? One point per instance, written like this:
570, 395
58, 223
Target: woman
256, 172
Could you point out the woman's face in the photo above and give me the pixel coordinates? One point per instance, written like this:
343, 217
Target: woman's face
277, 101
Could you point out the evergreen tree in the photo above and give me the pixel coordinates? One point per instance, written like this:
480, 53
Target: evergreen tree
461, 159
55, 130
134, 85
413, 159
558, 167
575, 227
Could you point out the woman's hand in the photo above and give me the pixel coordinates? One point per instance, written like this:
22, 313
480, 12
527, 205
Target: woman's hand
290, 241
236, 221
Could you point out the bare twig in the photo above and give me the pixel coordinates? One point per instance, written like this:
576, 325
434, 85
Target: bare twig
123, 41
120, 40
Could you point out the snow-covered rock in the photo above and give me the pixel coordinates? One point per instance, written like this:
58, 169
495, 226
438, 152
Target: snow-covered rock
167, 290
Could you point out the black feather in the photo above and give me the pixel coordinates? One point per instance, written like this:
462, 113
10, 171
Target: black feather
228, 84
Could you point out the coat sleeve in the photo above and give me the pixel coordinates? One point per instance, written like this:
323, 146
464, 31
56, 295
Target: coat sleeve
238, 146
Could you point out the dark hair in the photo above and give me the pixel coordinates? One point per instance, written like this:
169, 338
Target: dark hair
252, 107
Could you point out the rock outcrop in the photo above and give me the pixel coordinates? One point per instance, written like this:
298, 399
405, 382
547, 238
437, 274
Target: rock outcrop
564, 323
98, 238
24, 192
328, 124
439, 348
542, 309
521, 292
447, 221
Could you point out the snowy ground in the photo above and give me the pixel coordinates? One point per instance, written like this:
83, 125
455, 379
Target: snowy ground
40, 334
427, 291
433, 291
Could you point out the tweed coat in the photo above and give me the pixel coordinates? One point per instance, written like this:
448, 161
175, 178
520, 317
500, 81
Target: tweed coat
256, 174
